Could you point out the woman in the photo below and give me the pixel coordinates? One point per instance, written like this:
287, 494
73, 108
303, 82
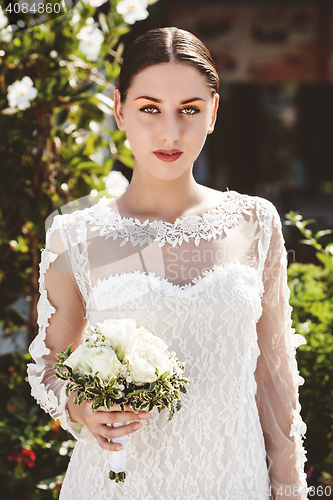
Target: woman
204, 270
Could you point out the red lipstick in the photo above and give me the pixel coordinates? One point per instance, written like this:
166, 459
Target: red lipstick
168, 154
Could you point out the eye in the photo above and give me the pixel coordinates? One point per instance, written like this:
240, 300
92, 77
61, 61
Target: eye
149, 110
190, 111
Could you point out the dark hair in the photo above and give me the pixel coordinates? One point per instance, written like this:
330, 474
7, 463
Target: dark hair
163, 45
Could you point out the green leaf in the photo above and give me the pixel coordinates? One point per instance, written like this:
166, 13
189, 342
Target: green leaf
97, 403
165, 375
151, 406
327, 260
94, 391
152, 386
129, 162
134, 407
107, 403
61, 117
81, 398
319, 234
103, 22
310, 242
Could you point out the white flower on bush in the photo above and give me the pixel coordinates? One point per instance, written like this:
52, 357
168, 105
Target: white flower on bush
21, 92
75, 17
99, 360
115, 183
91, 40
144, 358
133, 10
3, 19
6, 35
95, 3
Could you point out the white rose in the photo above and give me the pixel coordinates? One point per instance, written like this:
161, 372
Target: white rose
143, 360
119, 332
77, 360
103, 362
146, 337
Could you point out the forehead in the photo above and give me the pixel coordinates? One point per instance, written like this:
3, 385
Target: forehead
178, 79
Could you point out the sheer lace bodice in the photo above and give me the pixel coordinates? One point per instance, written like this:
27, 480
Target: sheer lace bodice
214, 287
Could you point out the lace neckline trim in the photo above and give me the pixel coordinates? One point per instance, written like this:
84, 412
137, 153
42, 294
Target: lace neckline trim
178, 220
155, 281
210, 224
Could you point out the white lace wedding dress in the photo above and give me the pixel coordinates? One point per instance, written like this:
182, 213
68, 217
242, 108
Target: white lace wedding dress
214, 288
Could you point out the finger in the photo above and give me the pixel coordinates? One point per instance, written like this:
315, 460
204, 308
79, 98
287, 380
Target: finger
107, 445
118, 416
115, 432
115, 407
127, 407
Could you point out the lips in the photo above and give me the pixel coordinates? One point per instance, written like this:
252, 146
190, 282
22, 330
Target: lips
168, 154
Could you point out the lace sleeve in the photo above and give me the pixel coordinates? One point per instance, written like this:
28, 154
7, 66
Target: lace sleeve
61, 321
278, 378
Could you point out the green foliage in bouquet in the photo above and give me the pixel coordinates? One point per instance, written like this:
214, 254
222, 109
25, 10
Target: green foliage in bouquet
34, 449
163, 393
311, 287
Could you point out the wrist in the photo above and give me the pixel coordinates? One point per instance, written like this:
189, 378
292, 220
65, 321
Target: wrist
72, 409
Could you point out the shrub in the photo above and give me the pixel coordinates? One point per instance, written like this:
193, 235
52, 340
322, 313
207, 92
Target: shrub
311, 298
34, 449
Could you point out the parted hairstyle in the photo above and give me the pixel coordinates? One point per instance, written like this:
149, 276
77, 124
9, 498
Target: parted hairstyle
162, 45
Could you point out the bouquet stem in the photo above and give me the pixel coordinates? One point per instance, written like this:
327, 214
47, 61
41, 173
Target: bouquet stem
118, 458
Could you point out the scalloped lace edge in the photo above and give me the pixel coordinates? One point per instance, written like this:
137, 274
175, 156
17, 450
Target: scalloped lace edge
208, 276
46, 398
298, 427
207, 226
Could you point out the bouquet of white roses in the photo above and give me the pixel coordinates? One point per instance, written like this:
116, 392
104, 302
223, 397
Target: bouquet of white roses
121, 364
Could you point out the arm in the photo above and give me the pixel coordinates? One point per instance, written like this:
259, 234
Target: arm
61, 321
278, 379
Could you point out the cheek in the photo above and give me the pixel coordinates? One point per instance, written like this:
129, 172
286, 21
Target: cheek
140, 138
197, 126
140, 125
140, 132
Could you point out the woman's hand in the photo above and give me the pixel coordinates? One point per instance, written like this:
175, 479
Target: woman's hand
97, 422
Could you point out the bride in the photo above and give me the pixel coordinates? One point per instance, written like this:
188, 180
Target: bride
206, 271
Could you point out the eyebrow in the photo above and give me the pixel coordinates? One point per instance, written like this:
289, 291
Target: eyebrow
187, 101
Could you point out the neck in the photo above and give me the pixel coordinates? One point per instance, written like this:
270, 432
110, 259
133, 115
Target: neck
166, 199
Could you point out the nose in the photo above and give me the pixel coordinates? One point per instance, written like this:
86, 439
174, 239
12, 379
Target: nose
170, 129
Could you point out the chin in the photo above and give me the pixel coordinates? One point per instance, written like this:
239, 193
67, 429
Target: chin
166, 177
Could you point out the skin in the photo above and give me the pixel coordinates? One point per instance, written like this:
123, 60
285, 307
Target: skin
163, 190
158, 189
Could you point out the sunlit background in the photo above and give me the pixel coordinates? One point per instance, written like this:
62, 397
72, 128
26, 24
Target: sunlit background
59, 144
274, 134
